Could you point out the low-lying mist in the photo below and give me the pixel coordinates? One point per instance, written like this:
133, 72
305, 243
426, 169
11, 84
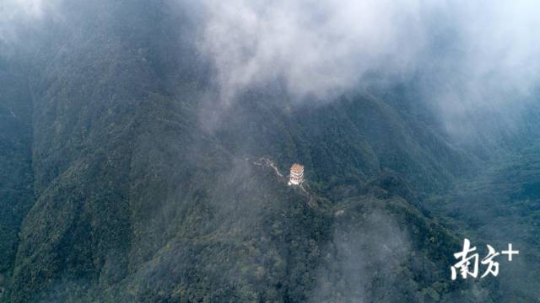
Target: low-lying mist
469, 59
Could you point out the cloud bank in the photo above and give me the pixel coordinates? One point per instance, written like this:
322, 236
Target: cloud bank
489, 66
17, 14
470, 57
318, 48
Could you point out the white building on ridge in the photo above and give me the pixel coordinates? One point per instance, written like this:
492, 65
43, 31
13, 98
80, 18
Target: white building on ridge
296, 176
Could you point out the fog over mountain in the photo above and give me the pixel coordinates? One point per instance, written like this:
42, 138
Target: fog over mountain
322, 49
145, 149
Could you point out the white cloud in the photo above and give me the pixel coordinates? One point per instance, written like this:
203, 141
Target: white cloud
496, 67
15, 14
317, 47
484, 55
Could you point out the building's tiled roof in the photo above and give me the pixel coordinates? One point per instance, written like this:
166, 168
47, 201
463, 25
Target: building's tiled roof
297, 168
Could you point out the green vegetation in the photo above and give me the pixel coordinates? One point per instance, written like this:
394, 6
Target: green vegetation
123, 179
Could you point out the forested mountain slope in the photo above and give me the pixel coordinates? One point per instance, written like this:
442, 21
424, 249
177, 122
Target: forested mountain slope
124, 179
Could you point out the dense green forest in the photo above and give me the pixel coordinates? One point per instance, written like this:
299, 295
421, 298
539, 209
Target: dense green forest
121, 179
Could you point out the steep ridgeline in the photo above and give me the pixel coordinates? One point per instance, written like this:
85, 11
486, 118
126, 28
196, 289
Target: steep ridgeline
351, 140
144, 194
